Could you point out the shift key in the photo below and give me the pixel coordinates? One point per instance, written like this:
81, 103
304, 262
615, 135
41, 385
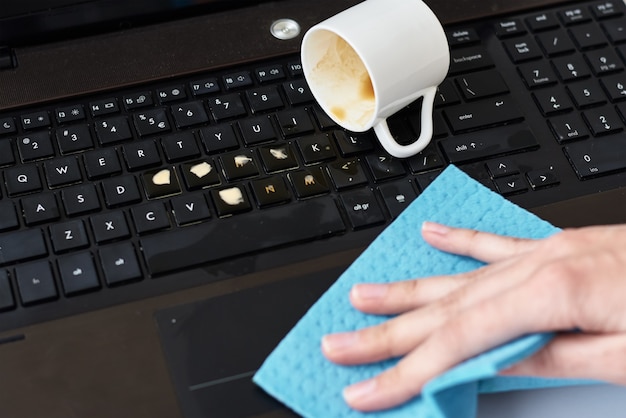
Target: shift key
482, 114
22, 245
485, 144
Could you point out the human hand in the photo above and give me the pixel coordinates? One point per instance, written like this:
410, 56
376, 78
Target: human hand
575, 279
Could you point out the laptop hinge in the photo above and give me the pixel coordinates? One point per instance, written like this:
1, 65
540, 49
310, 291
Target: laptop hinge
8, 60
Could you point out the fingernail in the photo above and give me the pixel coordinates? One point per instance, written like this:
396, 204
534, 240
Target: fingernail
435, 228
352, 394
338, 342
369, 291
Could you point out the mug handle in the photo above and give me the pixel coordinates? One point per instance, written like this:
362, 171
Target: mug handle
404, 151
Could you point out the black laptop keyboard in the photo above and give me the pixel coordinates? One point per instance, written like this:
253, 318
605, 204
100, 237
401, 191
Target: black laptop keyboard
104, 195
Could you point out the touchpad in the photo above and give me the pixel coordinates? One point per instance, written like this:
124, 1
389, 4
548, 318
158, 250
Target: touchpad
214, 347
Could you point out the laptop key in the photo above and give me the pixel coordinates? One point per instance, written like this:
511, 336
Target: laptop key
181, 146
523, 49
227, 106
231, 200
151, 122
469, 59
615, 86
270, 73
316, 148
67, 236
298, 92
237, 80
7, 126
70, 113
597, 157
102, 163
80, 199
603, 121
62, 171
278, 157
8, 216
542, 178
511, 185
40, 208
482, 84
481, 114
383, 167
35, 120
138, 100
294, 122
104, 107
190, 209
397, 196
109, 226
362, 208
240, 235
200, 174
113, 130
204, 86
270, 191
481, 145
588, 36
240, 164
141, 154
119, 263
78, 273
507, 28
35, 146
571, 67
219, 138
120, 191
604, 61
346, 174
189, 114
22, 179
586, 94
264, 99
553, 101
6, 294
171, 94
257, 130
22, 245
74, 138
568, 128
150, 217
35, 282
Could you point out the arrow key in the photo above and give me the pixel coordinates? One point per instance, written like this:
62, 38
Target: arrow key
502, 167
511, 185
542, 178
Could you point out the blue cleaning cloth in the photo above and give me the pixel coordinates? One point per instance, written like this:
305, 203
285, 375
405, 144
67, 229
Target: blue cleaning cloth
297, 373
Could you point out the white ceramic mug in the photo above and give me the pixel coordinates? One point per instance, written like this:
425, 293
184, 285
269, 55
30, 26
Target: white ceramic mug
368, 62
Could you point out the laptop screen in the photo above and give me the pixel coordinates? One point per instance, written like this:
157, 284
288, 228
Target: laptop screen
28, 21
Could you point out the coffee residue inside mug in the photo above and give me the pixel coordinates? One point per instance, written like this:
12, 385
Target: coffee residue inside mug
349, 92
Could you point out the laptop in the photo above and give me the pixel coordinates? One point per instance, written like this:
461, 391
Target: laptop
173, 199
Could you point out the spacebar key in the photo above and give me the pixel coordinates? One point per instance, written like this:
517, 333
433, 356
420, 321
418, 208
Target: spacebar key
241, 234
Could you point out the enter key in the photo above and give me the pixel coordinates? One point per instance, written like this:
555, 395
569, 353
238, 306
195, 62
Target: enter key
482, 114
